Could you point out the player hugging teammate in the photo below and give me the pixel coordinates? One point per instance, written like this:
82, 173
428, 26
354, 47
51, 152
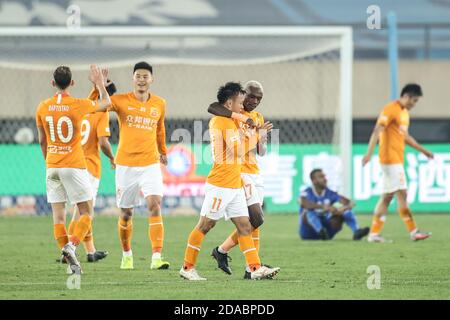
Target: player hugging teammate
234, 188
225, 195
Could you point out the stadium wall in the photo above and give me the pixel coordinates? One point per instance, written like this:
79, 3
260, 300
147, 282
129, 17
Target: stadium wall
189, 89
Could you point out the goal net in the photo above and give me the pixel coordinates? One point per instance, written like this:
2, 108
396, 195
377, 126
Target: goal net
305, 72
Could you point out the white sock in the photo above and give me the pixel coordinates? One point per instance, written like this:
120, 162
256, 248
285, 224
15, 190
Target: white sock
222, 251
74, 247
156, 255
91, 252
247, 268
127, 253
413, 232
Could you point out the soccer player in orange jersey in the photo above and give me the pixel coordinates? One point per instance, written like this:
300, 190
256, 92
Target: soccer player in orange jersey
58, 120
253, 184
141, 150
95, 132
224, 193
391, 131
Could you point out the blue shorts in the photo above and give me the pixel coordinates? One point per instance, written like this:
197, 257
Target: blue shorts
308, 233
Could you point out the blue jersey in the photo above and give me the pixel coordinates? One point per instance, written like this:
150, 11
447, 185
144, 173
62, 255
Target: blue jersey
327, 197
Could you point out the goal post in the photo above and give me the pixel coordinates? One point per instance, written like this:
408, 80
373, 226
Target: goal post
306, 72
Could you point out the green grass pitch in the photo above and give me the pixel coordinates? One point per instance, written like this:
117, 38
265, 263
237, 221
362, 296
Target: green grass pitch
334, 269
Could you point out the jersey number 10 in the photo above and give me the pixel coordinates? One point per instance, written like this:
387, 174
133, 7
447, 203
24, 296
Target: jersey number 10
63, 138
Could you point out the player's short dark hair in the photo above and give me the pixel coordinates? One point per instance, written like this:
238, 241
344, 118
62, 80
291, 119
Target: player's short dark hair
229, 90
62, 76
313, 173
143, 65
412, 90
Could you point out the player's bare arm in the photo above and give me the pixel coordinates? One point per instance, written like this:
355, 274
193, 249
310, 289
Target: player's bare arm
347, 204
409, 140
220, 110
161, 140
374, 137
305, 203
42, 141
105, 146
163, 159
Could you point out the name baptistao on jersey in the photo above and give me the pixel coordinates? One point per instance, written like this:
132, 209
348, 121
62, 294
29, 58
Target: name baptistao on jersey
61, 118
142, 132
225, 141
250, 164
93, 126
392, 139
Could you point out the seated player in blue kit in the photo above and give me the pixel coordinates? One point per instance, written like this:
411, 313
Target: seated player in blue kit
323, 211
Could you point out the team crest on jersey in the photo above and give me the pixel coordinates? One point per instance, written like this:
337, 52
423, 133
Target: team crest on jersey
154, 112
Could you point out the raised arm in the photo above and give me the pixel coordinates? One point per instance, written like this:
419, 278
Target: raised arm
96, 76
109, 85
218, 109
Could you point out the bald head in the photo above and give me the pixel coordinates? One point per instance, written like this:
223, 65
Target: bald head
254, 95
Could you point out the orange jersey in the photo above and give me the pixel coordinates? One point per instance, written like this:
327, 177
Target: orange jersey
250, 164
392, 140
93, 126
61, 117
225, 141
142, 135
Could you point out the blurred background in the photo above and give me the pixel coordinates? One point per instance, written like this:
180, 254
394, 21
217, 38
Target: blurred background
301, 75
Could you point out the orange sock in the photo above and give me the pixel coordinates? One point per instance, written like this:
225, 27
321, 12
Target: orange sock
72, 225
156, 233
255, 237
59, 230
125, 233
377, 224
88, 241
407, 218
230, 242
193, 248
81, 229
248, 249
